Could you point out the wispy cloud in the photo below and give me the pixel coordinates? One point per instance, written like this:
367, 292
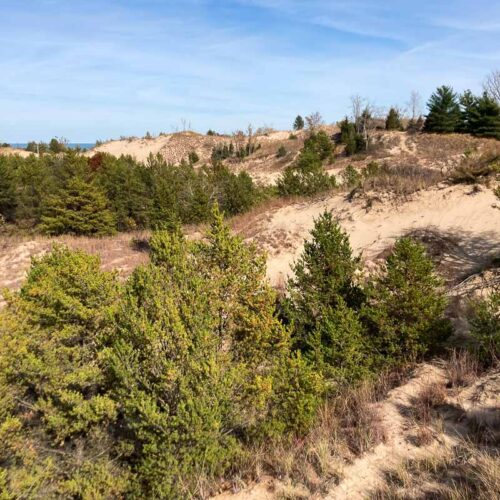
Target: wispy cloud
88, 69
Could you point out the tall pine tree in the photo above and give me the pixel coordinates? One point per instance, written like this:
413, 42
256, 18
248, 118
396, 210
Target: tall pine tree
444, 111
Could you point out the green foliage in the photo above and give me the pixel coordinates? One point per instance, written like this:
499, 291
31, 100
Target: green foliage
100, 194
406, 306
444, 111
200, 361
55, 404
282, 152
484, 117
298, 124
7, 189
307, 176
320, 143
324, 277
351, 177
79, 208
57, 146
353, 141
485, 326
193, 157
393, 120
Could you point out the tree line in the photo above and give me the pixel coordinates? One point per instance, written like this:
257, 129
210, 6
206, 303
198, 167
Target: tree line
70, 193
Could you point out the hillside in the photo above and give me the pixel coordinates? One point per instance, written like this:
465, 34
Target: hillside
398, 435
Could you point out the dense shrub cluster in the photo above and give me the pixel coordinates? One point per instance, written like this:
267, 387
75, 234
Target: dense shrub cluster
306, 176
144, 388
149, 388
349, 328
70, 193
353, 140
224, 151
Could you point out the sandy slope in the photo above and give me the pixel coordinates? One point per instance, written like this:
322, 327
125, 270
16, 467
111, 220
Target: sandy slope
473, 218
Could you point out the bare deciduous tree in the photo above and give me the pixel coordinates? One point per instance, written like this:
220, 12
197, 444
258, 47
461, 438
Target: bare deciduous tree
491, 85
357, 105
415, 105
314, 121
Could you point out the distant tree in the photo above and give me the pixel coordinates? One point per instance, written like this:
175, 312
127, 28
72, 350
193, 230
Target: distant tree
314, 121
57, 145
353, 140
282, 152
79, 208
484, 320
484, 117
7, 189
305, 177
444, 111
351, 177
298, 124
393, 120
415, 105
491, 85
320, 143
211, 132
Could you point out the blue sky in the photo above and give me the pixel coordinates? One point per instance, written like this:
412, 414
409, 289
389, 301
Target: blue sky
100, 69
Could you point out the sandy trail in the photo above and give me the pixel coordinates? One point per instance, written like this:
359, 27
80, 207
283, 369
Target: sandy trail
366, 473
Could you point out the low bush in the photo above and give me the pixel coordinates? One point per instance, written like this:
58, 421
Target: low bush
485, 327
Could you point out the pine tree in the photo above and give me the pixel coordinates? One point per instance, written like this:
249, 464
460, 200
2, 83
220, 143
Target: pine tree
78, 208
353, 141
467, 103
324, 277
393, 120
298, 124
444, 111
406, 306
7, 189
484, 117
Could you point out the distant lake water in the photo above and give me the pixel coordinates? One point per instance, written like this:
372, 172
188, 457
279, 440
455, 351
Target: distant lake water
71, 145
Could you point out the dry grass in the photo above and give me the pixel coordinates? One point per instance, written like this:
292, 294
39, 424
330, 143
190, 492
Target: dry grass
462, 368
464, 472
402, 180
347, 426
477, 167
424, 405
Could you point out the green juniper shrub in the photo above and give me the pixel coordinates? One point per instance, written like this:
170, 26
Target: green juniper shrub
55, 404
193, 157
201, 364
305, 177
371, 170
351, 177
78, 207
282, 152
405, 311
485, 326
353, 141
